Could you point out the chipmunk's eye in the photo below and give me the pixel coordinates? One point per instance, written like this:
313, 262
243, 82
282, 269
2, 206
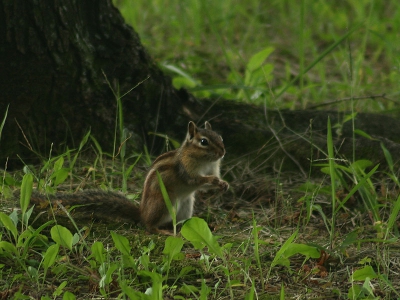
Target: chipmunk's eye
204, 142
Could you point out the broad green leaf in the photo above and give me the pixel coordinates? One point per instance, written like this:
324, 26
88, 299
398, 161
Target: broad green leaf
27, 215
9, 224
257, 60
60, 176
59, 289
185, 270
173, 247
363, 134
14, 217
121, 243
8, 247
364, 273
354, 292
367, 287
6, 191
25, 238
62, 236
107, 271
32, 271
26, 191
183, 82
31, 238
198, 233
68, 296
306, 250
98, 251
361, 164
75, 239
50, 255
279, 256
58, 164
349, 117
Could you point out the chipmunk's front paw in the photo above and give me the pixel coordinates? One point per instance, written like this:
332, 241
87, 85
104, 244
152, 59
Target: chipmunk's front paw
223, 185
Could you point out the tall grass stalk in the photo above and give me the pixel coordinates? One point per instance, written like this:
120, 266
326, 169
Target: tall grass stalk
1, 130
360, 183
120, 128
396, 206
332, 172
256, 229
4, 121
171, 208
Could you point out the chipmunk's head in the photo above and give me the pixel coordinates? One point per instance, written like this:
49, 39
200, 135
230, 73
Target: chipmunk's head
205, 143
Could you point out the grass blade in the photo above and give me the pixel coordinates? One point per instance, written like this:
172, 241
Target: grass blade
356, 188
333, 176
26, 192
4, 121
393, 216
279, 254
171, 208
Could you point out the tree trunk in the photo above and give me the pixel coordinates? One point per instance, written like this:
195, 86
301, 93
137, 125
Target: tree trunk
59, 60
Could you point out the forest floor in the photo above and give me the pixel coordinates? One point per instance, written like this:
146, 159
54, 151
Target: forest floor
268, 237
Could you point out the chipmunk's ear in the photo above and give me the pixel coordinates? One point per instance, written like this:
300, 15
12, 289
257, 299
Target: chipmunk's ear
207, 125
192, 129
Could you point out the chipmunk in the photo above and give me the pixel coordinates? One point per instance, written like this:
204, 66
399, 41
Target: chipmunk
194, 166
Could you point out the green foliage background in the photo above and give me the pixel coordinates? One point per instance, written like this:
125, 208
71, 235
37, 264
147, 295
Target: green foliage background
212, 42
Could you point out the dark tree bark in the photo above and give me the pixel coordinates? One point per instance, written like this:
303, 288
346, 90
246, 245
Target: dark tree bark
54, 54
53, 57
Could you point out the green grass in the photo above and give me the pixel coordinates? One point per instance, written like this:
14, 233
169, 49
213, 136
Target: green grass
272, 235
213, 41
257, 250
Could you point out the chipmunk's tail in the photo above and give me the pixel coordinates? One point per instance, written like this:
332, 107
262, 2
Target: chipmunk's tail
109, 207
